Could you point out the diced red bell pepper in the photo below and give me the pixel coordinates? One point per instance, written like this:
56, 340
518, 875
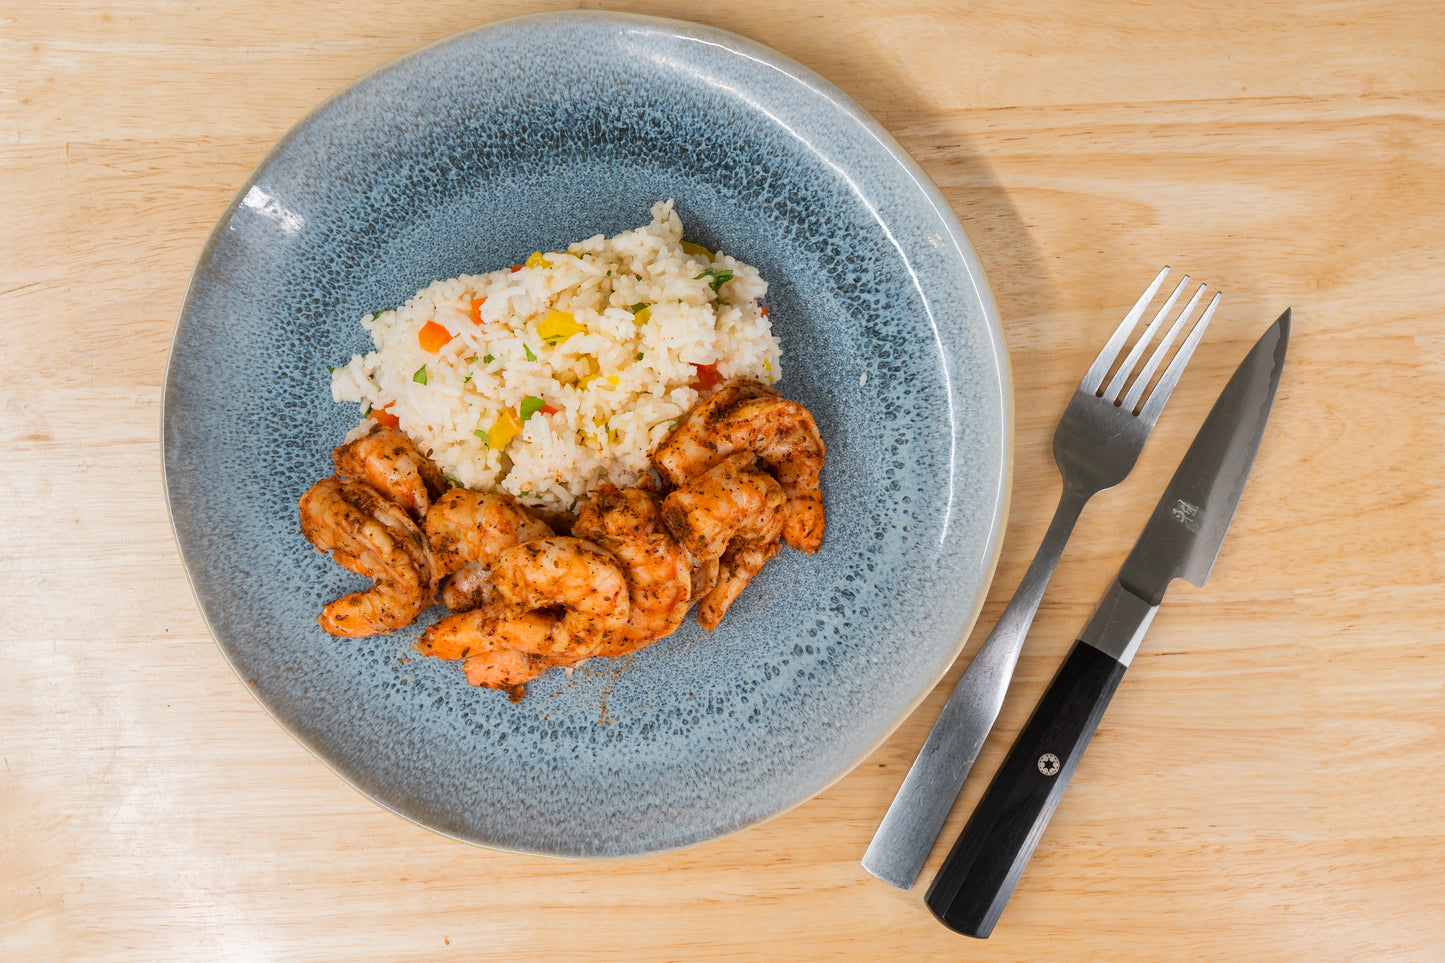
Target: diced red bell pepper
706, 376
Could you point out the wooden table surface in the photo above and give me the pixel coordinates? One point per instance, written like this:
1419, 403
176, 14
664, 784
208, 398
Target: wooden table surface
1268, 784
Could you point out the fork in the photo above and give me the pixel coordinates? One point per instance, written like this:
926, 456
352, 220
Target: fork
1097, 442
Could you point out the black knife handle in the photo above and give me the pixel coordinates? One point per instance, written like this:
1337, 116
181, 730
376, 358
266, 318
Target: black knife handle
981, 870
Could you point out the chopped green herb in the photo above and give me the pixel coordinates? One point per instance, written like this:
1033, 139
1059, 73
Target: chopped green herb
486, 439
330, 368
530, 355
420, 376
466, 379
367, 412
716, 278
638, 276
639, 356
638, 306
572, 506
471, 359
530, 406
488, 359
455, 481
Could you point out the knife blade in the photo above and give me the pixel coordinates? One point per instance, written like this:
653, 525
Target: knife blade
1181, 540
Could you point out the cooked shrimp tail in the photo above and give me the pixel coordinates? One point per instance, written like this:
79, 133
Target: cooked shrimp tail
736, 569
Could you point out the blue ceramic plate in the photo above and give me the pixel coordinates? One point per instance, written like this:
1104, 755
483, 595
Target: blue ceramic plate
525, 135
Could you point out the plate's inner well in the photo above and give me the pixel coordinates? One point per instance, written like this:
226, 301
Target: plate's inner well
466, 157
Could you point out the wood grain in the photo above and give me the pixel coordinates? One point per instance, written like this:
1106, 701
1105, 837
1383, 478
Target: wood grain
1266, 785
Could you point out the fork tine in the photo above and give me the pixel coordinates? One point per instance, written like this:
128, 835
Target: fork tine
1136, 390
1170, 378
1095, 375
1116, 383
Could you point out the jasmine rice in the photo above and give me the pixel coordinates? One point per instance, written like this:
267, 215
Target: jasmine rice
549, 378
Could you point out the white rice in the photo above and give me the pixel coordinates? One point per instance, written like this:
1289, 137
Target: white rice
614, 386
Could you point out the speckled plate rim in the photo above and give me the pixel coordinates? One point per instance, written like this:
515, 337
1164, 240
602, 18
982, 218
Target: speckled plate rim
957, 242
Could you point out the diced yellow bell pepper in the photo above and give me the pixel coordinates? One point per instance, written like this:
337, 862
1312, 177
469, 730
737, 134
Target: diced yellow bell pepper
610, 379
504, 429
558, 326
640, 318
535, 259
602, 429
592, 373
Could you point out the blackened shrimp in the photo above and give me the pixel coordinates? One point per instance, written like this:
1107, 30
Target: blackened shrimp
570, 574
467, 531
731, 500
499, 645
734, 513
628, 523
690, 448
371, 536
385, 459
556, 598
784, 437
780, 432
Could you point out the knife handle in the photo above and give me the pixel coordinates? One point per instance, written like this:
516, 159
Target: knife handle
981, 870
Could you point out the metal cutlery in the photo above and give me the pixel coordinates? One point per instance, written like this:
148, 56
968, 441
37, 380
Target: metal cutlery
1181, 540
1096, 444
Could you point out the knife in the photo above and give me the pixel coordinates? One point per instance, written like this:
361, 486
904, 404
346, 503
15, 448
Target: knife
1181, 540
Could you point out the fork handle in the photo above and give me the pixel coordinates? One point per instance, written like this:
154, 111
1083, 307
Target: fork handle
908, 831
